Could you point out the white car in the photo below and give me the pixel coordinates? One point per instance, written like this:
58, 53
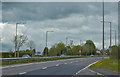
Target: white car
26, 56
91, 55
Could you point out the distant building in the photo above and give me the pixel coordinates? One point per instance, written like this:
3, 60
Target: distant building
37, 53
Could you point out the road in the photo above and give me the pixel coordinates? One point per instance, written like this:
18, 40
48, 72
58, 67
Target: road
60, 67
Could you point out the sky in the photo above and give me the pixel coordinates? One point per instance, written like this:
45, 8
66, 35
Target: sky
75, 20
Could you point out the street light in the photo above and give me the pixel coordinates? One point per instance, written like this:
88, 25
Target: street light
66, 41
1, 43
16, 39
46, 36
110, 32
115, 36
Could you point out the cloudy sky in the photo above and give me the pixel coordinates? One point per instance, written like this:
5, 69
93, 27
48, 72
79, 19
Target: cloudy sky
75, 20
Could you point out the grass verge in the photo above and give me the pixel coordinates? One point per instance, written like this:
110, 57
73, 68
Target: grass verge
110, 64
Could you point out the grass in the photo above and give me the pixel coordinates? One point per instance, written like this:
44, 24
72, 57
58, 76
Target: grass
33, 61
110, 64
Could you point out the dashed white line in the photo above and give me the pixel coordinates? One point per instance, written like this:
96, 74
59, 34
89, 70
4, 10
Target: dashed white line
65, 63
57, 64
22, 73
76, 61
44, 67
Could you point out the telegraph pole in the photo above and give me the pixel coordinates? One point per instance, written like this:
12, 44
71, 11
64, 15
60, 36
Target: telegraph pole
80, 42
103, 31
115, 37
110, 34
66, 41
46, 38
16, 40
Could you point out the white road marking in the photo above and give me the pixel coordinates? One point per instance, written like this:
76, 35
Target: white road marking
76, 61
22, 73
44, 67
31, 63
65, 63
57, 65
95, 72
86, 67
71, 62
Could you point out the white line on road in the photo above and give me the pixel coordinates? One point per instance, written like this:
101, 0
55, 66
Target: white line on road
57, 64
44, 67
86, 67
71, 62
76, 61
65, 63
22, 73
95, 72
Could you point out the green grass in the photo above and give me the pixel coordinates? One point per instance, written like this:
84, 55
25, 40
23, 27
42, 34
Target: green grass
38, 60
110, 64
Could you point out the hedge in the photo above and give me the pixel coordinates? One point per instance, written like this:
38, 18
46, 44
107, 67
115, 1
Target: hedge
11, 54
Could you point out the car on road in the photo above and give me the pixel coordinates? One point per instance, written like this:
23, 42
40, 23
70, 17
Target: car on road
62, 55
91, 55
26, 56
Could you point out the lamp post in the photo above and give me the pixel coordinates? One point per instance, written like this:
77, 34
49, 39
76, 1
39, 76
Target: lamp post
46, 36
110, 32
1, 43
66, 41
115, 37
16, 39
46, 41
80, 42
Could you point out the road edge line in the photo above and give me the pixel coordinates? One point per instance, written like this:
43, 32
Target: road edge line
86, 67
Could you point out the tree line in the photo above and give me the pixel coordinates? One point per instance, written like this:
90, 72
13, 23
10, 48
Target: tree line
88, 48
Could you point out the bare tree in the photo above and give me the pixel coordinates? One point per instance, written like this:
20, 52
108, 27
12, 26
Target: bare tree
31, 45
21, 40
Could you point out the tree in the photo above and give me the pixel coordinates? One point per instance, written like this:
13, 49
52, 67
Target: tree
34, 51
21, 40
90, 47
45, 51
60, 48
75, 50
31, 45
69, 50
53, 51
57, 49
71, 43
115, 52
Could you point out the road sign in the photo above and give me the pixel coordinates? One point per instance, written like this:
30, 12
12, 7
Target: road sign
80, 51
38, 53
65, 50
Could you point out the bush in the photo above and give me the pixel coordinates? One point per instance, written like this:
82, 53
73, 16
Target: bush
114, 53
11, 54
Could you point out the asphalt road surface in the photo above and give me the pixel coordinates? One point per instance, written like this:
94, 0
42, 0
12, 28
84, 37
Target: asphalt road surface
60, 67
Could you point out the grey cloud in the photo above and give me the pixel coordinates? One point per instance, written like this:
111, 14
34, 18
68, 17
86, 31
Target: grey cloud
78, 21
38, 11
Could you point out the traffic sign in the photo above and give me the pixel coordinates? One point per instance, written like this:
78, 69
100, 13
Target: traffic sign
80, 51
65, 50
